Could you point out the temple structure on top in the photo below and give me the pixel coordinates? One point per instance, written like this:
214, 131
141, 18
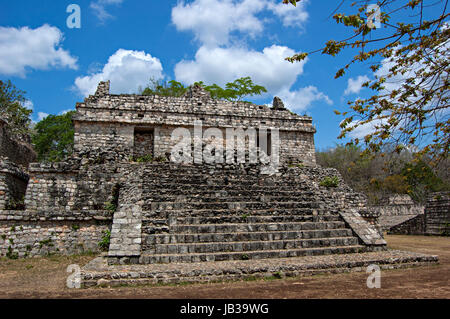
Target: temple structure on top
136, 125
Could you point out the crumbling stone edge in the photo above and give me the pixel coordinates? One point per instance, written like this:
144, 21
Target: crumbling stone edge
98, 274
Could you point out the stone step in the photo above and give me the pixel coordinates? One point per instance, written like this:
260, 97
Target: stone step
180, 170
157, 214
174, 187
221, 179
228, 205
256, 219
222, 198
195, 182
164, 167
230, 192
97, 272
222, 256
244, 236
244, 246
250, 227
199, 180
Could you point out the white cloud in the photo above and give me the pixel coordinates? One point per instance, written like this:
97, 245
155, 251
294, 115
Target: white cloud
290, 15
302, 98
219, 60
65, 111
126, 69
100, 11
41, 116
365, 129
212, 21
32, 48
28, 104
354, 86
267, 68
222, 65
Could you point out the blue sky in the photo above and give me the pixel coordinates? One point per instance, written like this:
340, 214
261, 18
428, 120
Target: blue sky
215, 41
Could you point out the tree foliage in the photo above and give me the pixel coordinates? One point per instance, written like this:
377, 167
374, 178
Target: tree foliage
233, 91
53, 137
410, 57
236, 90
386, 173
163, 88
13, 111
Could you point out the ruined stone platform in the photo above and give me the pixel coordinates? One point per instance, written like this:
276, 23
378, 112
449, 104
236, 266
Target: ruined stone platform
99, 273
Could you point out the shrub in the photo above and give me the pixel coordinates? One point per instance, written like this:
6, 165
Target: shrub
10, 254
45, 242
330, 181
104, 243
110, 207
144, 159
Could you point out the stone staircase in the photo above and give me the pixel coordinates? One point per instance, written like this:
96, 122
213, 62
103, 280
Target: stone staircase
199, 214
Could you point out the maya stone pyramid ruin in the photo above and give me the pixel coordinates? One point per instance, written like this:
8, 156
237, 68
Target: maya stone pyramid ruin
192, 220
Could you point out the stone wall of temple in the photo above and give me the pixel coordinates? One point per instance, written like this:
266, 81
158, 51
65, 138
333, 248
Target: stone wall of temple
13, 183
396, 210
437, 214
71, 187
434, 221
14, 159
106, 122
26, 234
18, 152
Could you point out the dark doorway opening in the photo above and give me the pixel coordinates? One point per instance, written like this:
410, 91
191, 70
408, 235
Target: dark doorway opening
143, 141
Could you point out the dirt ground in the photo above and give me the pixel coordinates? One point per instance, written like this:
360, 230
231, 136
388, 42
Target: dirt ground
46, 278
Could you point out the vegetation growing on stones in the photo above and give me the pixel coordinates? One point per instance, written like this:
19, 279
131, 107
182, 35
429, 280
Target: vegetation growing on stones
144, 159
147, 159
111, 207
245, 257
16, 204
330, 181
236, 90
46, 242
104, 242
11, 254
233, 91
164, 88
446, 231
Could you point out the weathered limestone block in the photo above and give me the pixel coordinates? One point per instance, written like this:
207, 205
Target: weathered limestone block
437, 214
15, 155
27, 234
